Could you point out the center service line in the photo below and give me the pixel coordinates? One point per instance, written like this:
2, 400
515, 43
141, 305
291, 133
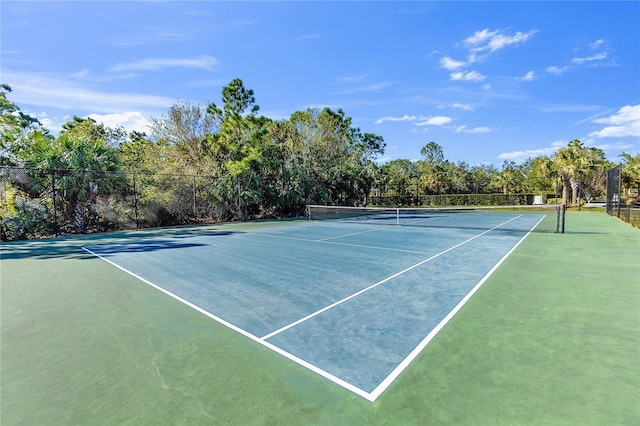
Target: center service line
339, 302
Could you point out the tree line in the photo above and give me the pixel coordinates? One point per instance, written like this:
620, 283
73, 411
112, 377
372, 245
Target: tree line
256, 166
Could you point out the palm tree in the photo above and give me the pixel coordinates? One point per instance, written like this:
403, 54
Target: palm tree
507, 177
89, 163
572, 163
83, 169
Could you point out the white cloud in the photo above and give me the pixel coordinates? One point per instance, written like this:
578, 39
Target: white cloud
625, 123
593, 60
418, 120
130, 120
58, 91
626, 114
438, 120
553, 147
457, 105
556, 70
480, 37
614, 132
532, 153
451, 64
596, 57
467, 76
528, 153
465, 129
530, 76
490, 41
463, 106
154, 64
616, 147
481, 44
53, 124
403, 118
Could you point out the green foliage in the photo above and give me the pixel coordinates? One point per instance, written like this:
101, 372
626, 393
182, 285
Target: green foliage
538, 174
27, 219
88, 129
84, 165
17, 129
443, 200
575, 162
631, 172
225, 162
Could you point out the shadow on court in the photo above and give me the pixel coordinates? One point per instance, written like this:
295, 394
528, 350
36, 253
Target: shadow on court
71, 247
141, 247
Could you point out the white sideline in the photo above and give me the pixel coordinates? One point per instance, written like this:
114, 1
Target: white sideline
416, 351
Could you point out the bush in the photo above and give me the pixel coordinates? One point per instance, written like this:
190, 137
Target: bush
444, 200
28, 220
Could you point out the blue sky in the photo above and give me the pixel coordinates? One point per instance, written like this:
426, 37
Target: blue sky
487, 81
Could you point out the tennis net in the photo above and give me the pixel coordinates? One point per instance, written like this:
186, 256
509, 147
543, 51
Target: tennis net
481, 217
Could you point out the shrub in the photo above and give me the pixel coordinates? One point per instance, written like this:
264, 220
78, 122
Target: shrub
28, 220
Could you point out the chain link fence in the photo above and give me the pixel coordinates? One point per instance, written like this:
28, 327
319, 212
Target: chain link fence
37, 203
40, 203
615, 206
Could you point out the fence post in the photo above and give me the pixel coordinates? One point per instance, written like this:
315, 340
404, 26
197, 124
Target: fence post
53, 196
619, 185
135, 201
195, 212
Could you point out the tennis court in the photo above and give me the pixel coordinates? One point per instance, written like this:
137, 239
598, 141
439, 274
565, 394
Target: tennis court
354, 300
551, 337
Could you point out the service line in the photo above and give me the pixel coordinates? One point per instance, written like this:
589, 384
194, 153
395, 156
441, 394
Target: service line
364, 290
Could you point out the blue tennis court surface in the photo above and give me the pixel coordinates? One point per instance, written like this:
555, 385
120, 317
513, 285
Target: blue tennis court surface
353, 302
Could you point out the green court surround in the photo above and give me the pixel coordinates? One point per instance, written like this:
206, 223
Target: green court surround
553, 337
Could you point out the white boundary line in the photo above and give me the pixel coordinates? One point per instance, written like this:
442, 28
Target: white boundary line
370, 396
